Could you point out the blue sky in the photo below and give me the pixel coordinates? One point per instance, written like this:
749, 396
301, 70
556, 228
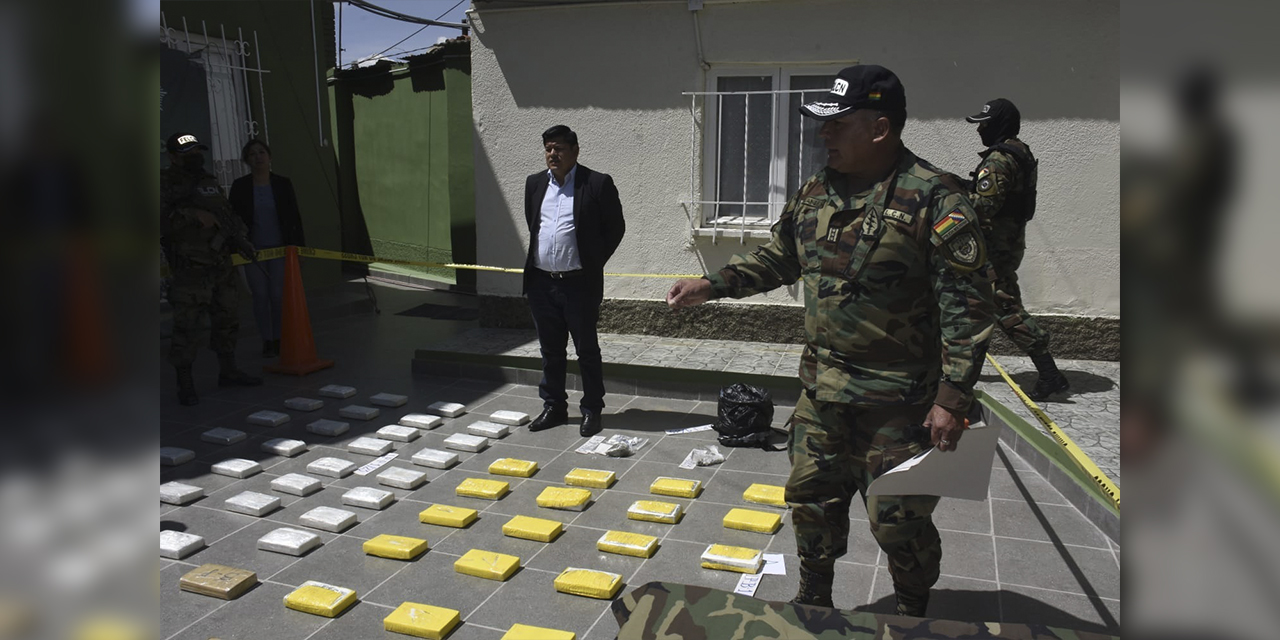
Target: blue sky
365, 34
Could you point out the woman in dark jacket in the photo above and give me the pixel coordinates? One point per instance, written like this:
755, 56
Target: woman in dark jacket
269, 207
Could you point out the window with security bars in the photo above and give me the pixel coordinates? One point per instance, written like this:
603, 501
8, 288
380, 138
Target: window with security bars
758, 149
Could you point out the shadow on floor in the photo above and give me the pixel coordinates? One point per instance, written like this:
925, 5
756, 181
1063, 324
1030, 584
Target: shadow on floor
987, 606
1081, 382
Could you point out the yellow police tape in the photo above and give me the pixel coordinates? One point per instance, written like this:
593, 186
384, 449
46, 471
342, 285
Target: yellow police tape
326, 254
1077, 456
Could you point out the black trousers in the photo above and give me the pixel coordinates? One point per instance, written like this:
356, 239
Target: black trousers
564, 307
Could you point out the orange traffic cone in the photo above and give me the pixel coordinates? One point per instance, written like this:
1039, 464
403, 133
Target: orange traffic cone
297, 346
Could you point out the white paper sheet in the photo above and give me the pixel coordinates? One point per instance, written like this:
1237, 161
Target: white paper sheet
964, 473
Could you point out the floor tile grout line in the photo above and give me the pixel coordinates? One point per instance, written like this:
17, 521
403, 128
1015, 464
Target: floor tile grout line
995, 558
1059, 591
197, 620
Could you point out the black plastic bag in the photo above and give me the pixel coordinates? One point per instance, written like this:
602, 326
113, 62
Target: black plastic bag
745, 416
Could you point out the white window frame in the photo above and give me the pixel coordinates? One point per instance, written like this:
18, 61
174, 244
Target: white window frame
705, 222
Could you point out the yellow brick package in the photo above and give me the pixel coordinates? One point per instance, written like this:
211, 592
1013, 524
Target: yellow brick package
537, 529
422, 620
395, 547
589, 583
320, 599
769, 494
627, 544
527, 632
513, 467
481, 488
676, 487
447, 516
748, 520
568, 498
654, 511
218, 581
594, 478
727, 558
487, 564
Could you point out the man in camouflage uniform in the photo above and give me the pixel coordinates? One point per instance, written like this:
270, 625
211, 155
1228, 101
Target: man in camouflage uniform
199, 234
898, 311
1003, 191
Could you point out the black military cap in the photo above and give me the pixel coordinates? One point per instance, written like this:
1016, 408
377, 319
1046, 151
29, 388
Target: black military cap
182, 142
1000, 109
864, 86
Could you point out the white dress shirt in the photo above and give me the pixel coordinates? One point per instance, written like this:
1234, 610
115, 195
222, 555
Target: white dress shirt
557, 237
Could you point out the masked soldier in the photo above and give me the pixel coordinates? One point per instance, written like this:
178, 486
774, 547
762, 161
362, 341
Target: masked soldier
199, 234
1003, 191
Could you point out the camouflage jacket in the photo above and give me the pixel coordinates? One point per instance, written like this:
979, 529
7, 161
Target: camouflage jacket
897, 288
1003, 195
189, 244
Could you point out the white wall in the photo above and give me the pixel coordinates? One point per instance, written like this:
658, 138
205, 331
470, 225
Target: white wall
615, 73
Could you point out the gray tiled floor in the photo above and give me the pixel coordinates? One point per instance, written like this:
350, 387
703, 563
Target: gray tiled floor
1040, 561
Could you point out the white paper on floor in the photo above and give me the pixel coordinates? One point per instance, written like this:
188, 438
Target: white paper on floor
369, 446
774, 565
368, 497
174, 456
435, 458
402, 478
296, 484
398, 433
702, 427
375, 464
332, 467
179, 493
601, 446
464, 442
252, 503
488, 429
267, 418
223, 435
388, 400
336, 391
236, 468
447, 409
284, 447
328, 519
747, 584
513, 418
304, 404
357, 412
293, 542
329, 428
421, 421
176, 545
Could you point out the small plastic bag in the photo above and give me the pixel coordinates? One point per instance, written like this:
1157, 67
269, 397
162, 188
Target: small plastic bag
620, 446
702, 457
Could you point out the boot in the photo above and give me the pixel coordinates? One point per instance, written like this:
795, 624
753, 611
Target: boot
815, 584
187, 388
911, 605
230, 376
1051, 380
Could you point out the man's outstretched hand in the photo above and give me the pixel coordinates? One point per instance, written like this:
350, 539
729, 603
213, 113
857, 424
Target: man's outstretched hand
688, 292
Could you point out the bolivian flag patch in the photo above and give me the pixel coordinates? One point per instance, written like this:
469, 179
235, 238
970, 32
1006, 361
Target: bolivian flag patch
950, 224
874, 95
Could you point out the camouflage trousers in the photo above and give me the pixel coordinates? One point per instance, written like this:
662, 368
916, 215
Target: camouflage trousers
836, 450
1014, 320
193, 293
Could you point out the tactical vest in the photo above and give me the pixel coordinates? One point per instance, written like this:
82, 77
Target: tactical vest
1020, 205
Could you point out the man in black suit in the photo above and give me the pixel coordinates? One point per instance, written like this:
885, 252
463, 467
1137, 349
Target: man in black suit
575, 225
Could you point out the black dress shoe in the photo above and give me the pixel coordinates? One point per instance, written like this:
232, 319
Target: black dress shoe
549, 418
590, 424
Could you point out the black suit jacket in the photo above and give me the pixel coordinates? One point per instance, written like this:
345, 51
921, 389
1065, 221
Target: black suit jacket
597, 221
286, 206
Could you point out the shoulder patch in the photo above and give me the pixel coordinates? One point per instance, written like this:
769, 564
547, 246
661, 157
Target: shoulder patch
964, 251
950, 225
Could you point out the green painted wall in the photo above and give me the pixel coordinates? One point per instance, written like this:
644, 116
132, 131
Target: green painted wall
284, 32
405, 162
